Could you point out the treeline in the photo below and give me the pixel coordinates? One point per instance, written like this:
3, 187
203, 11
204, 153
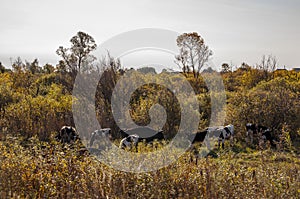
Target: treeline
41, 102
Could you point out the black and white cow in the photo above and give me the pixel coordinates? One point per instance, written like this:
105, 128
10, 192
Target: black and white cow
227, 133
129, 141
141, 134
253, 130
221, 132
67, 134
262, 132
100, 135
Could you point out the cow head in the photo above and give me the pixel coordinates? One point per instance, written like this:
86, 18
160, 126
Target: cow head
67, 134
230, 127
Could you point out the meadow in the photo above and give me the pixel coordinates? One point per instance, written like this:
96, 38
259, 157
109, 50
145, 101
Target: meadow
49, 170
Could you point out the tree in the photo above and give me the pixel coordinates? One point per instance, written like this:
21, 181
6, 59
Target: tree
225, 68
33, 67
2, 68
268, 63
48, 68
193, 53
17, 64
77, 58
245, 67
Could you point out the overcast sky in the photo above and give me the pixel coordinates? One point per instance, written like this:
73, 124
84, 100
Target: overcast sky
237, 31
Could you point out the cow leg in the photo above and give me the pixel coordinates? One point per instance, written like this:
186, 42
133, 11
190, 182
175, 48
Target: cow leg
135, 144
250, 137
264, 141
92, 140
219, 142
231, 140
261, 142
207, 143
221, 138
223, 143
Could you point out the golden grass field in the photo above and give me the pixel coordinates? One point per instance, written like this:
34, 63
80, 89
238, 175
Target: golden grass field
49, 170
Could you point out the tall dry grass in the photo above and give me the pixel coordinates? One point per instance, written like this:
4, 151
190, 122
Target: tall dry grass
48, 170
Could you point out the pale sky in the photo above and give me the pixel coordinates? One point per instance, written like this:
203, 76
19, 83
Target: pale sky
236, 31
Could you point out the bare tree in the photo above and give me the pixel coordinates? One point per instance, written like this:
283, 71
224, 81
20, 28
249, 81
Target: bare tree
77, 58
107, 62
193, 53
268, 63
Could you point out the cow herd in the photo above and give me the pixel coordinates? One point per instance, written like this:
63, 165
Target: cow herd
132, 137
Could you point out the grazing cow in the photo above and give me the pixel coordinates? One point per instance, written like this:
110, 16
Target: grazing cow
263, 132
98, 134
253, 130
67, 134
139, 134
223, 133
227, 133
129, 141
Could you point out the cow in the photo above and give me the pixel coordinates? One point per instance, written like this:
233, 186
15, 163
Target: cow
141, 134
98, 134
227, 133
221, 132
251, 130
67, 134
129, 141
263, 133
